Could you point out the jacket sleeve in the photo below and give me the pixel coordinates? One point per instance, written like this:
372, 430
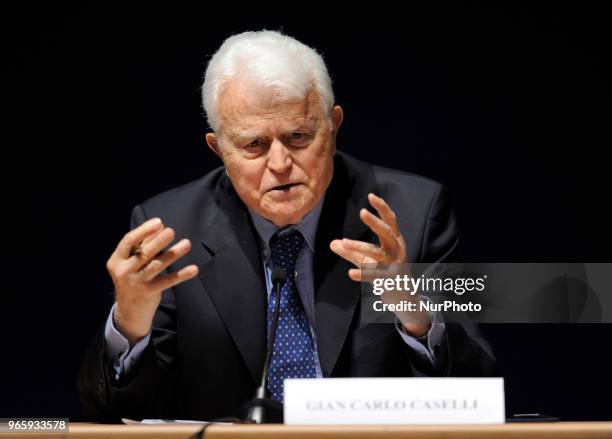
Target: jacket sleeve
440, 237
147, 390
463, 350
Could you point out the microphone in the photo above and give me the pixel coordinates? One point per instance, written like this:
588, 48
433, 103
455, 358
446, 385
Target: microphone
256, 411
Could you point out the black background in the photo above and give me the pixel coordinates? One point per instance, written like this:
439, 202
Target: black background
509, 106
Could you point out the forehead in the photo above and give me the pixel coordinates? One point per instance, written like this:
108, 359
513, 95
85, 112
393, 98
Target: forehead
243, 108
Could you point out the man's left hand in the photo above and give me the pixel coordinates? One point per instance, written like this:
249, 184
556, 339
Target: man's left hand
390, 250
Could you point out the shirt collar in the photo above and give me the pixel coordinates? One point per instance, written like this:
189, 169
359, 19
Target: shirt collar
308, 226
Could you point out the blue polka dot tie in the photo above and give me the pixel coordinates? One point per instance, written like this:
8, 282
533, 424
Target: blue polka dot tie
293, 353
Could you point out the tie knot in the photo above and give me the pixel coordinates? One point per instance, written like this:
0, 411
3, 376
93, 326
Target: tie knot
285, 248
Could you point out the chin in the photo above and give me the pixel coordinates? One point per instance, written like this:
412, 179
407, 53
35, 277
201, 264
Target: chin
283, 214
285, 217
285, 220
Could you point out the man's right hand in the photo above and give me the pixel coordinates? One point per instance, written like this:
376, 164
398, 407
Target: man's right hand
137, 275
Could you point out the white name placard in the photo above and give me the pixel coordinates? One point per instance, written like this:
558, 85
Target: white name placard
394, 401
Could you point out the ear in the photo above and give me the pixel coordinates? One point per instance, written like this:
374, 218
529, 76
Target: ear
337, 116
213, 144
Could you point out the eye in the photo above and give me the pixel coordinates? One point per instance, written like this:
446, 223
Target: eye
253, 147
299, 139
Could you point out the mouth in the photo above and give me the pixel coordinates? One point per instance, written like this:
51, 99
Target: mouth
284, 187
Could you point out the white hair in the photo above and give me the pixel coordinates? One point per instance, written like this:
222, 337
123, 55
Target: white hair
269, 60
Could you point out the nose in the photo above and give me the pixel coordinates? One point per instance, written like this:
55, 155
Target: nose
279, 158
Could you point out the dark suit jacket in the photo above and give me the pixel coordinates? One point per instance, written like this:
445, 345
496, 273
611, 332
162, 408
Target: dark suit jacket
208, 342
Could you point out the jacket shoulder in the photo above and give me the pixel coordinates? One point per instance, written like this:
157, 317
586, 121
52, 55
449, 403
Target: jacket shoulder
393, 183
184, 205
409, 185
202, 188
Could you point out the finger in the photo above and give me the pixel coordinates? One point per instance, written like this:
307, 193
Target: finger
384, 210
172, 279
355, 257
355, 274
162, 262
366, 248
152, 236
136, 236
381, 229
152, 248
366, 275
148, 239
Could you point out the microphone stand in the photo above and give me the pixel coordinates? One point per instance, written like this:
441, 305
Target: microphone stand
256, 412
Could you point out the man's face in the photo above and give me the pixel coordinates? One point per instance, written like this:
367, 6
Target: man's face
278, 155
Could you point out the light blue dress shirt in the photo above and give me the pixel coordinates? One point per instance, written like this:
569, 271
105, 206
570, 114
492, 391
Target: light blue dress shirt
122, 357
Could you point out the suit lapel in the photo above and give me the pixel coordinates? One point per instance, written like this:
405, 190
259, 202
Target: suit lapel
233, 277
337, 296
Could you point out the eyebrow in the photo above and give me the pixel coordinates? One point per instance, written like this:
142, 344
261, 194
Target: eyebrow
247, 134
308, 125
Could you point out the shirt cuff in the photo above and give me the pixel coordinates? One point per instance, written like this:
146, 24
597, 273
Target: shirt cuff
117, 348
427, 346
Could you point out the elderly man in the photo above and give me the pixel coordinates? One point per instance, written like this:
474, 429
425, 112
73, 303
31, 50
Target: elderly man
187, 335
